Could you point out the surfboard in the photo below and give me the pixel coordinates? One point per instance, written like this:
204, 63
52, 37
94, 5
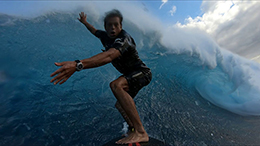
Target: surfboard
152, 142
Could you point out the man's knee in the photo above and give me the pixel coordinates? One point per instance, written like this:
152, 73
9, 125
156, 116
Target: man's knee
117, 84
113, 85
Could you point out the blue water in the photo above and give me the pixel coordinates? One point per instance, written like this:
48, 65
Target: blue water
193, 99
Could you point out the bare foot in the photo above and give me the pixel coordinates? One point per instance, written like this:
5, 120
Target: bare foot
126, 134
134, 137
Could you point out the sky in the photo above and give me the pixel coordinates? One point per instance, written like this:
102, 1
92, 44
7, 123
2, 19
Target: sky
173, 11
234, 25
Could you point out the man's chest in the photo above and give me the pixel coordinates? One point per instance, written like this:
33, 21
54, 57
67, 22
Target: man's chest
107, 43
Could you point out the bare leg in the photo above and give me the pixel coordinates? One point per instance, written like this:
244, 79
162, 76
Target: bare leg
139, 135
122, 112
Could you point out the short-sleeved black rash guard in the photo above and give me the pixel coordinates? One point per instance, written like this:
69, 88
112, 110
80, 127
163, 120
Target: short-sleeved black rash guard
129, 60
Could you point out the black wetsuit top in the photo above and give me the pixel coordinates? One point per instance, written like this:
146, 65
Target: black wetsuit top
129, 60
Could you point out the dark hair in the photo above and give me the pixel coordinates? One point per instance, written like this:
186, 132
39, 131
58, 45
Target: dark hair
113, 13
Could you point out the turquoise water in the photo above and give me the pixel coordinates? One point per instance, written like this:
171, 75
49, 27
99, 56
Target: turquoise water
182, 105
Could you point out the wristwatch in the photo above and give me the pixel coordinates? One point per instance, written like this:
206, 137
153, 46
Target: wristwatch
79, 65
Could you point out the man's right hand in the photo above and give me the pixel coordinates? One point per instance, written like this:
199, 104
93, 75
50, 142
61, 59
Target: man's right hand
83, 17
83, 20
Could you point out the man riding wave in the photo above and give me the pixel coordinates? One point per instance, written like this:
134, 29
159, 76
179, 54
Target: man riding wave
120, 50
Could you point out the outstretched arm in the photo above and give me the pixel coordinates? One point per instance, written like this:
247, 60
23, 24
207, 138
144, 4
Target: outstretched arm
83, 20
68, 68
101, 58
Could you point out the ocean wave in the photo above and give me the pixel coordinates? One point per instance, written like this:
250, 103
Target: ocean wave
221, 77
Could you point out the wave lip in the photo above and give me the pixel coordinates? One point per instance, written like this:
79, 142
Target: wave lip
221, 77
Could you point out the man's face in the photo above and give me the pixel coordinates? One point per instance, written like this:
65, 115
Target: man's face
113, 27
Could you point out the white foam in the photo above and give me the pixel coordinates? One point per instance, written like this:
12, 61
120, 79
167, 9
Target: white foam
232, 83
133, 11
125, 128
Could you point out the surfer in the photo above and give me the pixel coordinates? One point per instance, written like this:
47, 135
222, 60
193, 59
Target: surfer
120, 50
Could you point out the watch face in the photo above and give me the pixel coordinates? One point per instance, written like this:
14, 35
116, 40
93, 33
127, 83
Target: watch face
80, 66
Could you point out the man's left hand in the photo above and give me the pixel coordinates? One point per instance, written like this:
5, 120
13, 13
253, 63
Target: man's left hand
63, 74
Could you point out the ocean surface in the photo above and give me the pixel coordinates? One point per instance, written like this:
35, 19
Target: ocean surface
200, 94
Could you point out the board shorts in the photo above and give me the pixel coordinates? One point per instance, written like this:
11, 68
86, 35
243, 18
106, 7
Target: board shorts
137, 80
